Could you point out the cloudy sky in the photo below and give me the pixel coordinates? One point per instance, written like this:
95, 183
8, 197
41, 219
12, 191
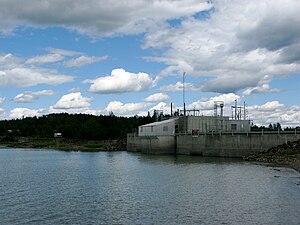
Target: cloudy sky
128, 57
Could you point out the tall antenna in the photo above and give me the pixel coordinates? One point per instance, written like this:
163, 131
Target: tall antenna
183, 94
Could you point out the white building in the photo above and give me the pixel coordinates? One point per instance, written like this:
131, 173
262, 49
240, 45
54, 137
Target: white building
190, 124
162, 128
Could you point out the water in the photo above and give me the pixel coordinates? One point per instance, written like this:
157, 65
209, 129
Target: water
55, 187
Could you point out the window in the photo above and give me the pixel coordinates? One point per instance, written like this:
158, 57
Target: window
165, 128
233, 126
151, 128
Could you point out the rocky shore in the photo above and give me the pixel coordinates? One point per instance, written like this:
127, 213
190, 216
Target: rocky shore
284, 155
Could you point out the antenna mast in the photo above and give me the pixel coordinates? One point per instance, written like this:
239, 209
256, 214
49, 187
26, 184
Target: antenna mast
183, 94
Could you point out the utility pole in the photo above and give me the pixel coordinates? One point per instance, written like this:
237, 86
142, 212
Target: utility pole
183, 93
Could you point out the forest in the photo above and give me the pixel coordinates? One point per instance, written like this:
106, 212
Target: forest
73, 126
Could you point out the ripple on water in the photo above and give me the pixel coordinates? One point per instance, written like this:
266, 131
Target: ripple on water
53, 187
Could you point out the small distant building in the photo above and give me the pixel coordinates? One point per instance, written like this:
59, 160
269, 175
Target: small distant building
57, 135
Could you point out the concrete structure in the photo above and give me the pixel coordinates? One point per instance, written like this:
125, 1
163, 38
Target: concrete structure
231, 144
204, 135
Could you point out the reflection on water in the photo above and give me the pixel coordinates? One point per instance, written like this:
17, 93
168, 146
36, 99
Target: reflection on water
53, 187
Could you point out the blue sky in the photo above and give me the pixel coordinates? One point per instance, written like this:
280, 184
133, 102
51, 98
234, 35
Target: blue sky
128, 57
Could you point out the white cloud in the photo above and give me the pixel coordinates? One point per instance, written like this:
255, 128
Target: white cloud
76, 89
63, 52
121, 81
57, 55
73, 101
161, 106
83, 60
25, 112
179, 87
2, 100
157, 97
235, 47
30, 96
273, 112
45, 59
206, 106
13, 72
126, 109
85, 110
96, 17
262, 87
25, 77
269, 106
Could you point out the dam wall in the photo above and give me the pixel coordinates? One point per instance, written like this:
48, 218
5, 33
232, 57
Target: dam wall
151, 144
214, 144
231, 145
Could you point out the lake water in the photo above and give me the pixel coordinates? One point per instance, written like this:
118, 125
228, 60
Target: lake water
56, 187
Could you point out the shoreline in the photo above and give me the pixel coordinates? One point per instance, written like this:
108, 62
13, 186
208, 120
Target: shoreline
64, 144
286, 155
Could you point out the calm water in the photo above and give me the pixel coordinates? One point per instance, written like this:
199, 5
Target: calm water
54, 187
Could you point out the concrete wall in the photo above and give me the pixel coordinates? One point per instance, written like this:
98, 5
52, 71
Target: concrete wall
237, 145
158, 145
133, 143
224, 145
151, 144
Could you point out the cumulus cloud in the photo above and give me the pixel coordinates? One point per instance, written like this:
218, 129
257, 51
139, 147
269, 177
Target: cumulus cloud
121, 81
157, 97
96, 17
83, 60
73, 101
161, 107
208, 104
126, 109
273, 112
25, 112
269, 106
30, 96
235, 46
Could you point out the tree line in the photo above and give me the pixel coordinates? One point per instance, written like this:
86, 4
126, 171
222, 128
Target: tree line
74, 126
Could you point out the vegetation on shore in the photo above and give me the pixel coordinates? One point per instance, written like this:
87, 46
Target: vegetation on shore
286, 155
67, 144
80, 132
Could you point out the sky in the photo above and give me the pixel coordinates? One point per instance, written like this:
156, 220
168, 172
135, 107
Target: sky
128, 57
